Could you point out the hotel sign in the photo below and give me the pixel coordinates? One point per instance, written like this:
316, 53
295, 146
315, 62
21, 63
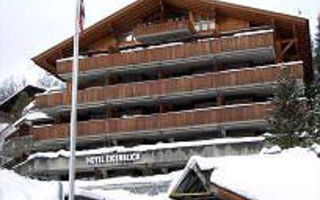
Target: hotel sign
115, 158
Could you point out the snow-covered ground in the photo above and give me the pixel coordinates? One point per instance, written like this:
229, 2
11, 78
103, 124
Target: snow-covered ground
13, 186
276, 174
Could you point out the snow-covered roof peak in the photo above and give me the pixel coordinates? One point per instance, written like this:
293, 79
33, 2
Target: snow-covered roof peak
291, 174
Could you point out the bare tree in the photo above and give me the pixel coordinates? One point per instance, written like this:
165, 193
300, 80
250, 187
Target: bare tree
10, 86
49, 81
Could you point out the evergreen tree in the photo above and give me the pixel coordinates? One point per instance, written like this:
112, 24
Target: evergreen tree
288, 115
317, 47
313, 113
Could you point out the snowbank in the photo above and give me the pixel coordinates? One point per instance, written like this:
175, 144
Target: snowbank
128, 180
13, 186
122, 194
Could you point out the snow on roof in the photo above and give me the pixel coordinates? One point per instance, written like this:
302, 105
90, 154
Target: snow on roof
3, 126
124, 194
19, 91
13, 186
127, 180
292, 174
107, 189
29, 107
142, 148
253, 32
31, 116
89, 194
10, 129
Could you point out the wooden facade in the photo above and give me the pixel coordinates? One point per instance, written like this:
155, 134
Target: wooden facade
186, 50
158, 121
227, 16
165, 87
173, 29
169, 68
167, 33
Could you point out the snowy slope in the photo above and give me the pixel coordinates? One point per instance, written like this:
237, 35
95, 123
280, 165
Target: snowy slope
291, 175
13, 186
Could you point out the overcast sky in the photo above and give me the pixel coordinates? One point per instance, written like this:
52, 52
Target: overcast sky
28, 27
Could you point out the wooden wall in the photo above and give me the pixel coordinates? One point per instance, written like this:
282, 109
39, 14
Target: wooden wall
171, 53
157, 121
230, 24
173, 85
104, 43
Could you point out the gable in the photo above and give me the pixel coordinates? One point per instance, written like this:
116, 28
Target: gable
228, 17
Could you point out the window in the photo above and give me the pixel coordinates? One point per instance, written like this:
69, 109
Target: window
204, 23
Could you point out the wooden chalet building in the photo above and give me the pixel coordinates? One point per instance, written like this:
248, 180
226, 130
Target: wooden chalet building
171, 71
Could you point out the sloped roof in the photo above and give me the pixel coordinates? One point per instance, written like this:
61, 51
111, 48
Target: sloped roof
129, 16
7, 104
272, 174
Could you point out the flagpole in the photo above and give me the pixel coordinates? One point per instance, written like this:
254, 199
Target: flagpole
73, 120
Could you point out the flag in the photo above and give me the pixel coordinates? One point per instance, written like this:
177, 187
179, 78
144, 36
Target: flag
82, 15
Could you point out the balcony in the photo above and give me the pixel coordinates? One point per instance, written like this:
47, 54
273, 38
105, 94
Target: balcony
257, 48
192, 121
207, 83
171, 30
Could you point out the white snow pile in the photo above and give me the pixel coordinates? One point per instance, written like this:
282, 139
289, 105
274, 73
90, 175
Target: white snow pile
3, 126
123, 194
126, 180
292, 174
36, 115
13, 186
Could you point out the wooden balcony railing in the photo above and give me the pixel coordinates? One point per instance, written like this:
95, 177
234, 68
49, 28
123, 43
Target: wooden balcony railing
187, 50
170, 27
174, 85
214, 116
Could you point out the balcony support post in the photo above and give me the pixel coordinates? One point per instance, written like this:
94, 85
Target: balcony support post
114, 142
223, 132
220, 100
162, 11
191, 17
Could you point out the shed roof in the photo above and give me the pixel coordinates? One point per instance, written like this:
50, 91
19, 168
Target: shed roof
7, 105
